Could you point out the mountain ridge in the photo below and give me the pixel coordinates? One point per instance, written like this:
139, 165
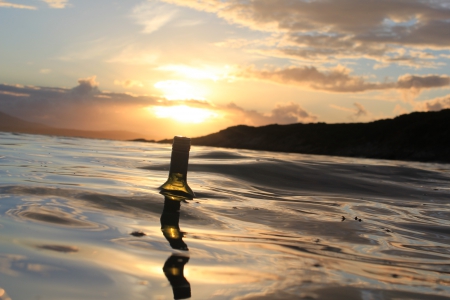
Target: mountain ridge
418, 136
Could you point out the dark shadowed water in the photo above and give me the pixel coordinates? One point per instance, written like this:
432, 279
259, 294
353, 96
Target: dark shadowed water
263, 226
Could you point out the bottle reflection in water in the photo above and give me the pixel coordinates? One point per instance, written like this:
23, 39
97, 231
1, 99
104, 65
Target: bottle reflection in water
170, 224
173, 269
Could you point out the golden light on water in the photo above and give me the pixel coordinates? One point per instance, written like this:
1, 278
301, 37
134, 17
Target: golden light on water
183, 113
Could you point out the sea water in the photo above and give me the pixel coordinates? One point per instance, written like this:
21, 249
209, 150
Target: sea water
264, 225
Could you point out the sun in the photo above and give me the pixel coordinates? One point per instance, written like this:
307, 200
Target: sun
184, 113
179, 90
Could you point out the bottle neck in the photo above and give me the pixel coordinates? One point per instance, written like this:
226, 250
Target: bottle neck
179, 162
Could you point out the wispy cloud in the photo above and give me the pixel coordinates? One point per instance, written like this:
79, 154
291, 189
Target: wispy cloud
14, 94
360, 110
57, 3
284, 113
14, 5
135, 55
434, 104
357, 112
152, 15
400, 110
128, 83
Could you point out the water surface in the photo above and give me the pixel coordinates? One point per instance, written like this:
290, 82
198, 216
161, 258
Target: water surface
263, 226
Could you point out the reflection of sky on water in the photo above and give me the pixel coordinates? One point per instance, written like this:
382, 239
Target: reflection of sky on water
264, 225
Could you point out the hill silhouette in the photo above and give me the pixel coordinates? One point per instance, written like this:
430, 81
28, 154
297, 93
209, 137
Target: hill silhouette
12, 124
419, 136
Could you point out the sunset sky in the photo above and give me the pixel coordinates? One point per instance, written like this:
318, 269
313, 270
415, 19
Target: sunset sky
185, 67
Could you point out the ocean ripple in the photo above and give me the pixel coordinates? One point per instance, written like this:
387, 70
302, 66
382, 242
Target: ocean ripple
263, 226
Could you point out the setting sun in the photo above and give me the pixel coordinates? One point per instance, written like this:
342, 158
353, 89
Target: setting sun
179, 90
183, 113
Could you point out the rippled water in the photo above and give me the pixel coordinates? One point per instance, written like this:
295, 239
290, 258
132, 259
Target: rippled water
263, 226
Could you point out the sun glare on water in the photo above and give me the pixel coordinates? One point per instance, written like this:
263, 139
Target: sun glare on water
183, 113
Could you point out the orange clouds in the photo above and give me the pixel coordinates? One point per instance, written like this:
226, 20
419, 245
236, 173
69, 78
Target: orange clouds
434, 104
286, 113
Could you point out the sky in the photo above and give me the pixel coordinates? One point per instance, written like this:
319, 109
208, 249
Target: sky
185, 67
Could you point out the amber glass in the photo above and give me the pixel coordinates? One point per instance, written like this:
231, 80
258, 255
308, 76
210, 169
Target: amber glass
176, 186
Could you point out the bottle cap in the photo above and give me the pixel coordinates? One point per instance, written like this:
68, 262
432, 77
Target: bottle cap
181, 143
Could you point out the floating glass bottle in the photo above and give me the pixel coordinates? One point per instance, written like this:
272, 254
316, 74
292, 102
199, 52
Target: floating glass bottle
176, 187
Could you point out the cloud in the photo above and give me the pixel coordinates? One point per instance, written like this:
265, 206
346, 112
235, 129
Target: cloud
339, 79
414, 82
87, 86
400, 110
287, 113
434, 104
135, 55
412, 59
128, 83
334, 29
413, 85
14, 94
152, 16
321, 46
82, 107
333, 80
14, 5
357, 112
45, 71
57, 3
86, 107
360, 110
342, 108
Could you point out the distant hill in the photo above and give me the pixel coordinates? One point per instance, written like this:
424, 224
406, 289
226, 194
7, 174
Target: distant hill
419, 136
12, 124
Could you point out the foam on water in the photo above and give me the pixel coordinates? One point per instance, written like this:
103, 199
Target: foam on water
263, 226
